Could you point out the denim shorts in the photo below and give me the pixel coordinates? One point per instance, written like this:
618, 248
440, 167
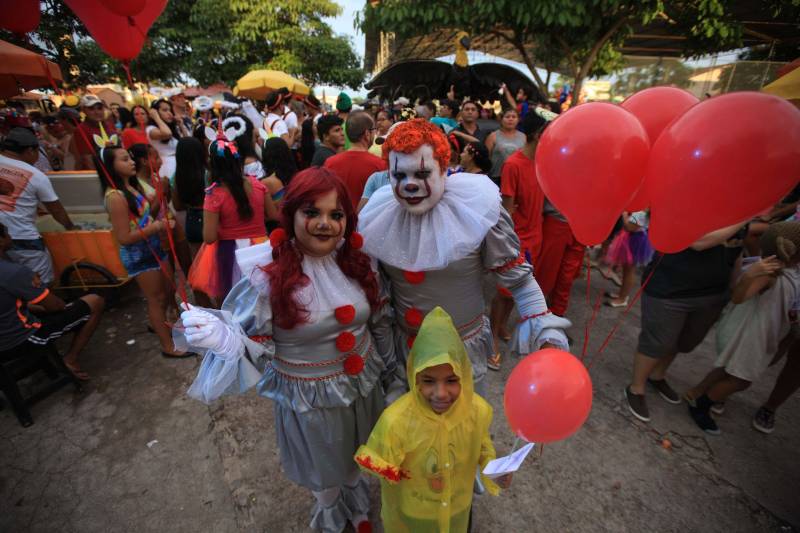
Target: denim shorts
139, 257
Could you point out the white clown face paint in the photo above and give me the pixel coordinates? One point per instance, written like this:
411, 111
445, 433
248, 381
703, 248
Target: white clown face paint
416, 180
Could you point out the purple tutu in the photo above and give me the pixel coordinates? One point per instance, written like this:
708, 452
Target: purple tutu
630, 248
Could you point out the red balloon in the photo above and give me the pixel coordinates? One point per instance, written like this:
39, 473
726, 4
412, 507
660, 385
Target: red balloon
548, 396
20, 16
655, 108
590, 163
125, 8
724, 161
120, 37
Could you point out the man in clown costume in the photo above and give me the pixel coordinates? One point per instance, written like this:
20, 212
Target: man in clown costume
435, 236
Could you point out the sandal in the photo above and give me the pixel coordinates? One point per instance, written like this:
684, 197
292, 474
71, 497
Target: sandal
75, 370
623, 303
493, 362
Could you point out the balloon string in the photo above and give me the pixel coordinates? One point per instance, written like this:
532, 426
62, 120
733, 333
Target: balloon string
625, 312
126, 66
107, 176
156, 183
591, 320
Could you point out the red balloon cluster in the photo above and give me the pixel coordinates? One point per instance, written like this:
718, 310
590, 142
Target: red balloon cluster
548, 396
698, 166
118, 26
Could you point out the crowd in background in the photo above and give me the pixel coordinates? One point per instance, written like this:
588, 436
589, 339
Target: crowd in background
171, 208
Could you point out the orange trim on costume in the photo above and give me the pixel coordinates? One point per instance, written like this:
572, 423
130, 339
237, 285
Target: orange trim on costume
40, 297
391, 473
24, 319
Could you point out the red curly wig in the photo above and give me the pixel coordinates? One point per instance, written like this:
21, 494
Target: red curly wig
409, 136
286, 272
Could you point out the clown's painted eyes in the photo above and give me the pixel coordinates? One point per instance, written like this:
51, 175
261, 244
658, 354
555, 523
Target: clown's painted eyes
422, 174
399, 176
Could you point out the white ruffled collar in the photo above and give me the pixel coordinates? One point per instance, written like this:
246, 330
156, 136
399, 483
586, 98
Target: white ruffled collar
454, 228
329, 288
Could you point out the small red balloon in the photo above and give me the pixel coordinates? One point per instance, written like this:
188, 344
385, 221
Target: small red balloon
20, 16
548, 396
125, 8
723, 162
590, 162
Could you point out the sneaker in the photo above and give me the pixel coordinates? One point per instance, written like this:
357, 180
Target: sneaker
718, 408
666, 392
764, 420
703, 420
493, 362
637, 405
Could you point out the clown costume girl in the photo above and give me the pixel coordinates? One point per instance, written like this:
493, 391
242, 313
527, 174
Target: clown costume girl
435, 236
320, 358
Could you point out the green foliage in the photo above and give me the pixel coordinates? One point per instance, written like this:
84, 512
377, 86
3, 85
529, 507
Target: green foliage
582, 37
208, 41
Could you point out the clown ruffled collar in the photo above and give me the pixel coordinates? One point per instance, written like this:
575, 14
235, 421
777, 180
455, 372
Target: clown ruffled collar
451, 230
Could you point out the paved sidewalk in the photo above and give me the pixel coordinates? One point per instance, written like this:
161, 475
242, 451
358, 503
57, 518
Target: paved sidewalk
134, 454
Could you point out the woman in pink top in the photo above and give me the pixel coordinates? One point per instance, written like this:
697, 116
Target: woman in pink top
234, 214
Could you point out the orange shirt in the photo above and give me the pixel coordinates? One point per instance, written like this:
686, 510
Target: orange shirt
518, 181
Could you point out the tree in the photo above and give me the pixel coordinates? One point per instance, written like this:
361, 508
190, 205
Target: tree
207, 41
582, 37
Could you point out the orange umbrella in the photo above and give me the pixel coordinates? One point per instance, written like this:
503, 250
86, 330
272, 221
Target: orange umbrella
21, 69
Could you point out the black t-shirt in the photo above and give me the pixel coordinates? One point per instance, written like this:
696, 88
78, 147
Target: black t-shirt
320, 155
478, 133
19, 286
690, 274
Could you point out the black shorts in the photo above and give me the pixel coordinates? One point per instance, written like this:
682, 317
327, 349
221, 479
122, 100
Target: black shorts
54, 325
677, 325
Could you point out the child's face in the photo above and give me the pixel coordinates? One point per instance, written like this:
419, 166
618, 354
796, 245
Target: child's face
440, 386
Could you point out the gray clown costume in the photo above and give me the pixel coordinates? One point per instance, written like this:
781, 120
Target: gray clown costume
440, 257
324, 376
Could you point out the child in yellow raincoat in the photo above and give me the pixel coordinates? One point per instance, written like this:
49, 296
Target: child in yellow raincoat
426, 445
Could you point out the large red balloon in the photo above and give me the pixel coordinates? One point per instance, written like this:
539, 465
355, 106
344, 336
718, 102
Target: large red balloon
548, 396
120, 37
125, 8
20, 16
724, 161
590, 162
655, 108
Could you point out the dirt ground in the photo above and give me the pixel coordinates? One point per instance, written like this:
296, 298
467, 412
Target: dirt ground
133, 453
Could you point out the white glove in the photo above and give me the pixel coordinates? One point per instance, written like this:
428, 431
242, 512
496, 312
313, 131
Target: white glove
207, 331
537, 328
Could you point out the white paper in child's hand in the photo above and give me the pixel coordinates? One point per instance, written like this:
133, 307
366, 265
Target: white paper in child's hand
510, 463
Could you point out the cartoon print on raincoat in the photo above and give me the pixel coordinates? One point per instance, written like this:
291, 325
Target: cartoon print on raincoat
426, 462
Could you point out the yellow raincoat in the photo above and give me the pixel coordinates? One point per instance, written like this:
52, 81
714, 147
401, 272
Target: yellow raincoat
426, 461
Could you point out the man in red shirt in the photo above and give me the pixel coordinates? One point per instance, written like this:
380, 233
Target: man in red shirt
523, 198
356, 164
95, 123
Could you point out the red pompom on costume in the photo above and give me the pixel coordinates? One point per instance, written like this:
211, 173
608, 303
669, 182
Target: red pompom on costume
345, 314
353, 365
277, 237
356, 240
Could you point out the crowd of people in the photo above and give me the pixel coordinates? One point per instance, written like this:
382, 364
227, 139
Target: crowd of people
336, 259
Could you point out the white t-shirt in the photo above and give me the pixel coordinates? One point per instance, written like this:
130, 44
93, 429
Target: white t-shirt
276, 125
255, 169
167, 152
290, 117
22, 187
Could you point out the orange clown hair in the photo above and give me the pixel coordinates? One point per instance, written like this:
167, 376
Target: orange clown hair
408, 137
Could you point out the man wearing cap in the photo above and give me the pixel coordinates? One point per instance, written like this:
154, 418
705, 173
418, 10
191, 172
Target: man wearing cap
95, 123
22, 187
274, 123
180, 107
